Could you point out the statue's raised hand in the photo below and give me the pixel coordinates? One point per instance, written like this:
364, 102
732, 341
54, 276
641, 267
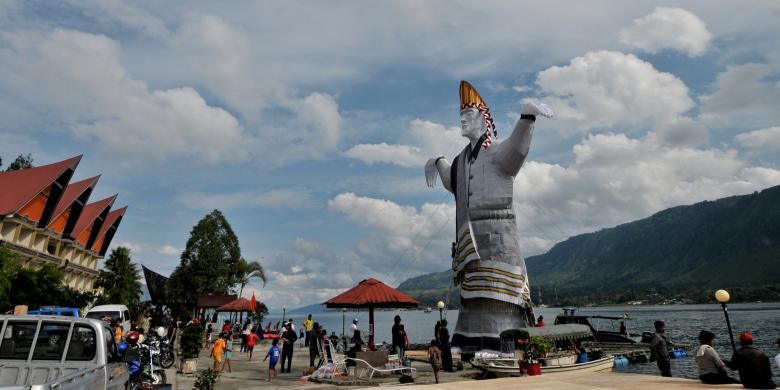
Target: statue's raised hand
431, 172
531, 107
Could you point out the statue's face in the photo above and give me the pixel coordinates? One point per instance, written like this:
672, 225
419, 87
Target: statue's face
472, 123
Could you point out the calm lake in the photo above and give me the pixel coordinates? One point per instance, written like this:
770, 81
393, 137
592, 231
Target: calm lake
683, 323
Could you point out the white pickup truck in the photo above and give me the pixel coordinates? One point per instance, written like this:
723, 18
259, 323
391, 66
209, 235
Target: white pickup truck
54, 352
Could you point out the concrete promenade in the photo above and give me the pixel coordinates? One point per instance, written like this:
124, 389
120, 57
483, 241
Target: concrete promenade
253, 374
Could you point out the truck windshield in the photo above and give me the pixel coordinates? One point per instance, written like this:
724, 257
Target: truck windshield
103, 315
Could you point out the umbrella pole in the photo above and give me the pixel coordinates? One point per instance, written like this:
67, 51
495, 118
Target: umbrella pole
371, 344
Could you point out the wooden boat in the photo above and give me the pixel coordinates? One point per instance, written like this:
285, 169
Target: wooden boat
563, 359
509, 366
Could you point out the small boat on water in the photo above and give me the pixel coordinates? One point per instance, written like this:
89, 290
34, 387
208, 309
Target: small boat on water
602, 335
563, 357
428, 309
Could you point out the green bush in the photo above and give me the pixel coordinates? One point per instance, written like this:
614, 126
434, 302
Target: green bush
539, 347
191, 341
206, 380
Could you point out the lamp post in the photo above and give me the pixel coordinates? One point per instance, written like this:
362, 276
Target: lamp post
343, 315
723, 296
284, 313
440, 305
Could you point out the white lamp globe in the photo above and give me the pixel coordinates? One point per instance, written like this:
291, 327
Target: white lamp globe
722, 296
440, 305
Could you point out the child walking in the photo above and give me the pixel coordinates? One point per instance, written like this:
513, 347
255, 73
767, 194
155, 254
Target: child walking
217, 352
250, 343
228, 352
434, 356
274, 353
209, 334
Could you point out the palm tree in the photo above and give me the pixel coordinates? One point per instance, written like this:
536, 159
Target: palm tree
249, 270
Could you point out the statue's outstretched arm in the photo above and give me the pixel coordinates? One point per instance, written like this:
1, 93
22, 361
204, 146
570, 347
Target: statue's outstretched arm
438, 166
512, 152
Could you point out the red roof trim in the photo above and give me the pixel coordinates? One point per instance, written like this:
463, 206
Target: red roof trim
20, 187
90, 213
72, 192
110, 225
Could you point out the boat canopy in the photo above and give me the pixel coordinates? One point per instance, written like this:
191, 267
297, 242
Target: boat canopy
552, 332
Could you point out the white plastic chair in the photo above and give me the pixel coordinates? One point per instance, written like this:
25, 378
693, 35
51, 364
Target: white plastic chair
373, 370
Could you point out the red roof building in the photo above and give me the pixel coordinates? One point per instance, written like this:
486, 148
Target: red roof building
44, 218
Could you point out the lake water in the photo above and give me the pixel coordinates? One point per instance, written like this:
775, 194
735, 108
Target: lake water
683, 323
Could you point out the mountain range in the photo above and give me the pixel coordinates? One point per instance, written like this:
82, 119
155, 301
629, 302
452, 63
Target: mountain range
685, 252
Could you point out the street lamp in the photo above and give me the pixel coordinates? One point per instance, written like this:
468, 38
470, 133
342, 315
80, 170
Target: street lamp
440, 305
723, 296
284, 313
343, 315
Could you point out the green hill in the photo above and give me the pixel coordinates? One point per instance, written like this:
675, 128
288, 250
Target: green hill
683, 252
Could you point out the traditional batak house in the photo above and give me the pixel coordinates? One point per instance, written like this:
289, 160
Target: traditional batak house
46, 218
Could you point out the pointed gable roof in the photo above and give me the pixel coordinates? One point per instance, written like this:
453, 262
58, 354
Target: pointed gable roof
74, 198
93, 216
72, 192
110, 225
22, 186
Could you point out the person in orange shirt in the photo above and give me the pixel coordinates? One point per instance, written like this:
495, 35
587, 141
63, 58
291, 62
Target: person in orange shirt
117, 331
217, 350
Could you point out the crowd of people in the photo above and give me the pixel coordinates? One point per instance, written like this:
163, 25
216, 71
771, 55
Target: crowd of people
752, 364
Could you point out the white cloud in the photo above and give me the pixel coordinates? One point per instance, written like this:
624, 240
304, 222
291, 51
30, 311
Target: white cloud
169, 250
603, 89
668, 28
401, 155
134, 248
762, 140
433, 139
276, 199
121, 114
744, 95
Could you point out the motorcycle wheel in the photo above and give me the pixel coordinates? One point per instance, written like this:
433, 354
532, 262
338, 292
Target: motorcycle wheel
159, 378
167, 359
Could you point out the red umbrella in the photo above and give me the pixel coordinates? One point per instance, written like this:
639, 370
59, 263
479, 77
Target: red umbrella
371, 293
253, 304
239, 305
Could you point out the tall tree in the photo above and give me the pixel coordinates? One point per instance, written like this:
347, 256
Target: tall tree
119, 280
21, 162
210, 264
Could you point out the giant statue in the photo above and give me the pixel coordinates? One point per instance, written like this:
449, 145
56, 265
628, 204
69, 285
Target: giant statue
486, 257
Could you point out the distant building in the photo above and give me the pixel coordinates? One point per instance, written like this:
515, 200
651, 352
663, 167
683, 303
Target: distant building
45, 218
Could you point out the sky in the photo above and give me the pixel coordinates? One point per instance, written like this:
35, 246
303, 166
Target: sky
308, 124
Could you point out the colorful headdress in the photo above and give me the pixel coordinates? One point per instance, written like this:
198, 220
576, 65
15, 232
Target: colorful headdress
469, 98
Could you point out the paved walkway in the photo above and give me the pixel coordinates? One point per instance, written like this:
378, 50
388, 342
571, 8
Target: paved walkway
253, 374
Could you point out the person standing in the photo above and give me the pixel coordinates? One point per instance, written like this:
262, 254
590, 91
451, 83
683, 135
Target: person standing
659, 349
314, 343
397, 338
623, 329
753, 365
777, 358
444, 345
434, 357
301, 337
228, 352
308, 324
712, 370
288, 342
244, 335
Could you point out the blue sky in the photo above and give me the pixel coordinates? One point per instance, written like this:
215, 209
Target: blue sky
308, 123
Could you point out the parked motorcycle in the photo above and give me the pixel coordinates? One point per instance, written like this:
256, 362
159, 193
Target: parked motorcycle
140, 363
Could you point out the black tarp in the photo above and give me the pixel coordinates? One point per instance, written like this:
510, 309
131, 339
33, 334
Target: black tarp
156, 284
